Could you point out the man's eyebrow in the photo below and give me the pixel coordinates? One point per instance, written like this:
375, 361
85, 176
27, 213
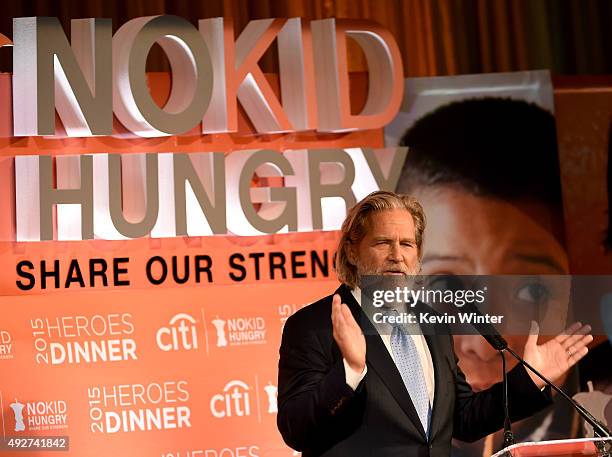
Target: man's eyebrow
388, 238
542, 260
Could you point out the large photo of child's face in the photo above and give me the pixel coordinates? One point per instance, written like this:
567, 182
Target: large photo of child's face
487, 174
486, 171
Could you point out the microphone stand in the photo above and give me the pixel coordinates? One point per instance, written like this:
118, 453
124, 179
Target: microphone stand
494, 338
599, 430
508, 435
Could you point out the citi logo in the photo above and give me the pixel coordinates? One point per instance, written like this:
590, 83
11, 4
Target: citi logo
234, 401
180, 334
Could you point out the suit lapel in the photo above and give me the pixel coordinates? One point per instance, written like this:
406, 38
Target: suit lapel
437, 358
440, 370
379, 359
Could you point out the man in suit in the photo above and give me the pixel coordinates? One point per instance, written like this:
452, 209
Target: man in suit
345, 390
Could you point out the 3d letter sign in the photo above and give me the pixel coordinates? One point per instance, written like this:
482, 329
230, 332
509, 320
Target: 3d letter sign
95, 75
210, 74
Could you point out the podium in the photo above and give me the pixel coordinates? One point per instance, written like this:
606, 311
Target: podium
583, 447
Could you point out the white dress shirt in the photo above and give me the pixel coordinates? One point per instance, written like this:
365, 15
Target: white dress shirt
353, 378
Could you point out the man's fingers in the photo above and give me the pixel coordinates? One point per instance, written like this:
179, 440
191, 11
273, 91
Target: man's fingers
338, 321
335, 310
532, 338
348, 317
336, 301
577, 345
579, 334
568, 332
578, 355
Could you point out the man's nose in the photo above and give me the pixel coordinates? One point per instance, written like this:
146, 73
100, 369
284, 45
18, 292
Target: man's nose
395, 253
475, 346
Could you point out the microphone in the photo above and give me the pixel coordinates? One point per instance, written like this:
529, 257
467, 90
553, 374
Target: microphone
490, 333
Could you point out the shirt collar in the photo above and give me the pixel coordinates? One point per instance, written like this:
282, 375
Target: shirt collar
357, 294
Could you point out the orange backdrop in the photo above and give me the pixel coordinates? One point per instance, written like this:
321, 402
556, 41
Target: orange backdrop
143, 362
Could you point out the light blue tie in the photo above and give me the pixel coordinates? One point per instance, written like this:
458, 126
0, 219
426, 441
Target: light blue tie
407, 360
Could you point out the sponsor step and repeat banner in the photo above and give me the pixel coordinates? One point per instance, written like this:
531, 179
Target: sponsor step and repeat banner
157, 230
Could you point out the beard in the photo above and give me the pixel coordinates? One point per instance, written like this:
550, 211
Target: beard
378, 278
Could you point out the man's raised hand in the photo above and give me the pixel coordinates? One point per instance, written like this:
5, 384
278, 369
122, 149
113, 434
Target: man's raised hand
559, 354
348, 335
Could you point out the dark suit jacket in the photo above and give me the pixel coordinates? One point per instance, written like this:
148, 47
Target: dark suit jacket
320, 415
